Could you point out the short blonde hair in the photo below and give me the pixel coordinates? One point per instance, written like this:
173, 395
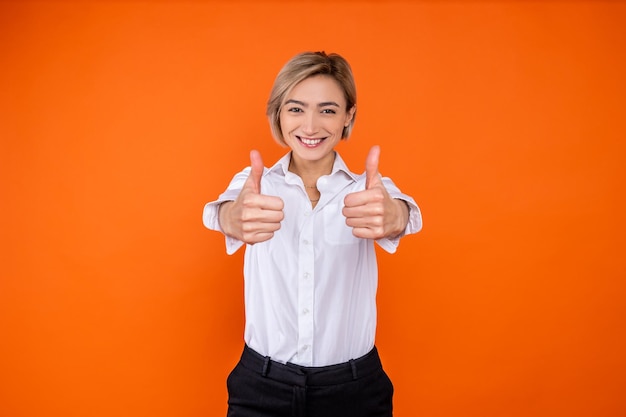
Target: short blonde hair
301, 67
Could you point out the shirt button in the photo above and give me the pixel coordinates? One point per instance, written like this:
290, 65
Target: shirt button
305, 311
306, 275
305, 347
306, 242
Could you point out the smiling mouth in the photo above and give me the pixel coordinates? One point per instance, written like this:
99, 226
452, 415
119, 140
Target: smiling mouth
310, 142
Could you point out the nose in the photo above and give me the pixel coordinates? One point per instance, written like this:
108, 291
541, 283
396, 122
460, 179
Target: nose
310, 123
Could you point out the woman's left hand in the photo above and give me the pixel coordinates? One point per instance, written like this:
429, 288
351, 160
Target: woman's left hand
372, 213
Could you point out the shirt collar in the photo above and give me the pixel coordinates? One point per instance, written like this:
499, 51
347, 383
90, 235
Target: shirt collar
282, 166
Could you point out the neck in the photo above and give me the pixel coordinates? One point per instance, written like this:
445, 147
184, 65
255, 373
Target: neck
310, 171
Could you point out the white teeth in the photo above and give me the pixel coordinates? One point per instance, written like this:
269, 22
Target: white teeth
311, 141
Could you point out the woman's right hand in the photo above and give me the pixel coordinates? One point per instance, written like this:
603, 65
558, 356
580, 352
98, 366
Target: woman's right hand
252, 217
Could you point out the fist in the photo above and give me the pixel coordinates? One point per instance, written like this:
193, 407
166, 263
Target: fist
252, 217
372, 213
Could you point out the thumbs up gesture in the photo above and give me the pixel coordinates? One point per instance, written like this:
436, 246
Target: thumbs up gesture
372, 213
252, 217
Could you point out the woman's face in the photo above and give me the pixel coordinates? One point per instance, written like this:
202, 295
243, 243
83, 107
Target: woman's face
313, 117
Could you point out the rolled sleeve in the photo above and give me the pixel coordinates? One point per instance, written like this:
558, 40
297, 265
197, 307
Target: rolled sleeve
210, 218
210, 215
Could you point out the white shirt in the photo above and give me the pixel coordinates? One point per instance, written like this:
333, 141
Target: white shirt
310, 291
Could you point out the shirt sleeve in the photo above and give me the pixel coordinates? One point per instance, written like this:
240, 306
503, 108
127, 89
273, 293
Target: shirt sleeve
210, 215
414, 224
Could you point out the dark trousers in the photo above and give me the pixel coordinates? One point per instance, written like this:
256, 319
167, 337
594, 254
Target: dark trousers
260, 387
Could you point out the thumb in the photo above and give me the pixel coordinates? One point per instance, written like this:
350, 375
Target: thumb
372, 177
256, 172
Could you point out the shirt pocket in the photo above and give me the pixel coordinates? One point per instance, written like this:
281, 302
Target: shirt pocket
335, 230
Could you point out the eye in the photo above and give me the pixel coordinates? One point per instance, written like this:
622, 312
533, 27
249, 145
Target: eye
294, 109
328, 111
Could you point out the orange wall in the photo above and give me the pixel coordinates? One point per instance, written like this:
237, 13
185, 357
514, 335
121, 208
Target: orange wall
505, 120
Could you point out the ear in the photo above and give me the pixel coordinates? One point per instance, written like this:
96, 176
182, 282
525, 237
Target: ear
350, 116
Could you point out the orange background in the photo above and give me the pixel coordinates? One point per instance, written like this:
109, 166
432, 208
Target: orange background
505, 120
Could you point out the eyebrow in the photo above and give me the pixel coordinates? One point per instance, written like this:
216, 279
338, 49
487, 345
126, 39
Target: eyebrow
323, 104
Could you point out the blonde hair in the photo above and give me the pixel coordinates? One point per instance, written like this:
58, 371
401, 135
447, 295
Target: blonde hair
301, 67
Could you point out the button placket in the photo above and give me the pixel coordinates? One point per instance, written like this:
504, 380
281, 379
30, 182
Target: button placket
306, 288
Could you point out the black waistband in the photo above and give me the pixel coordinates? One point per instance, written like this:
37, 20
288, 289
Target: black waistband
314, 376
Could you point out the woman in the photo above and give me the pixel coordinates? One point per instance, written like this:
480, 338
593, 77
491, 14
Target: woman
310, 265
